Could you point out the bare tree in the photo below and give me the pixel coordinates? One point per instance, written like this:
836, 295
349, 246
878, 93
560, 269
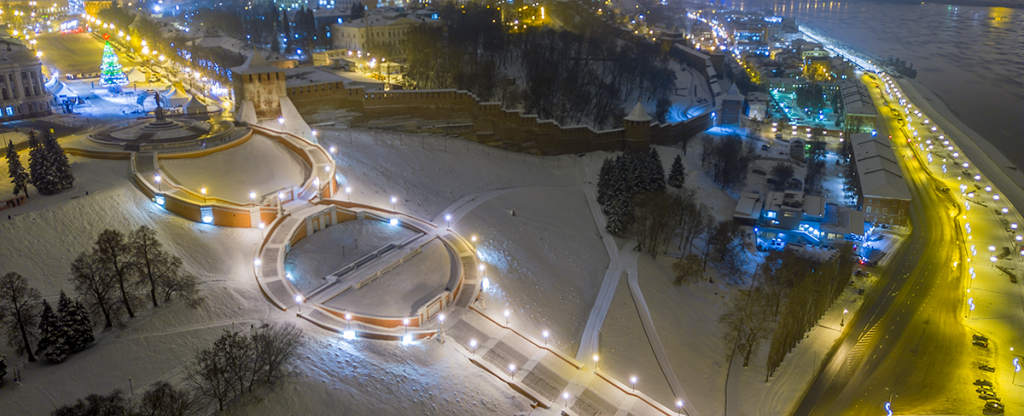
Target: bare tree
96, 286
686, 269
235, 363
20, 306
276, 345
209, 374
113, 404
163, 399
748, 323
113, 252
653, 221
158, 270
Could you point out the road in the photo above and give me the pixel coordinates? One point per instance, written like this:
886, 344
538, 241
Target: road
909, 344
71, 53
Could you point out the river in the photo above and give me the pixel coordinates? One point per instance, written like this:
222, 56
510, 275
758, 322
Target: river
971, 57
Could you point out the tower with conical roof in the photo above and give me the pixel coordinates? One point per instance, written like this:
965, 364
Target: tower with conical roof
732, 106
260, 83
638, 129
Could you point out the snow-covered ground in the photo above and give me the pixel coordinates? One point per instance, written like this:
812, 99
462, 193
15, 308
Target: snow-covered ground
545, 258
259, 165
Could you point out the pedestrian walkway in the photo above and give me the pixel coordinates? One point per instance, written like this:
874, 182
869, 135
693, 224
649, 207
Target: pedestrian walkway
546, 376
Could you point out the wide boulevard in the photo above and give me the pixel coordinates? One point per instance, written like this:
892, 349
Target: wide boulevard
909, 346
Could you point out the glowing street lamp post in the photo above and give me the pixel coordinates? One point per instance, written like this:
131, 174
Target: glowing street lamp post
348, 191
507, 313
596, 359
472, 345
545, 334
394, 203
679, 407
448, 218
632, 381
158, 179
565, 396
440, 327
203, 191
298, 301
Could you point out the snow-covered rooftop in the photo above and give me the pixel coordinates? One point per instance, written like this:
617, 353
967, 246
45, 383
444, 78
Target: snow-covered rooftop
880, 176
255, 64
638, 113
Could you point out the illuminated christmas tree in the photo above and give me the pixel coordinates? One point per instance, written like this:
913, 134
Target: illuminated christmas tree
111, 74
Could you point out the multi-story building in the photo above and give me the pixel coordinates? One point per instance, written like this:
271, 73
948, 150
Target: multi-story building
859, 113
380, 32
22, 90
882, 192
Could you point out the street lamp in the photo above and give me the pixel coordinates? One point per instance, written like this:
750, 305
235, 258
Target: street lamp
512, 369
507, 313
448, 218
348, 320
472, 344
565, 396
405, 322
679, 407
841, 321
596, 359
157, 178
440, 325
545, 334
348, 191
298, 301
632, 380
252, 198
394, 202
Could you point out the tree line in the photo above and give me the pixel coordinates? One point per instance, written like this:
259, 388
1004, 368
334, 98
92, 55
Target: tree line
569, 77
111, 280
232, 366
726, 159
49, 170
632, 195
788, 296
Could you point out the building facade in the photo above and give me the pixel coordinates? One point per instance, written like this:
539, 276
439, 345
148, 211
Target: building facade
22, 90
882, 191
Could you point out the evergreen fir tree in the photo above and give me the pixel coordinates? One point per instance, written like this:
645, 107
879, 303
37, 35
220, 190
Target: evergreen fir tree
19, 177
40, 167
677, 174
655, 171
52, 335
619, 208
59, 162
604, 179
76, 321
111, 73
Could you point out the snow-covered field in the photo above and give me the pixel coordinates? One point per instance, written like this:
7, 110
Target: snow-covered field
545, 258
259, 165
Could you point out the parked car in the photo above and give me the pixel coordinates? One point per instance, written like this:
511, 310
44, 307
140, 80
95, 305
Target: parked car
988, 396
983, 389
981, 344
980, 338
985, 367
993, 406
982, 382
